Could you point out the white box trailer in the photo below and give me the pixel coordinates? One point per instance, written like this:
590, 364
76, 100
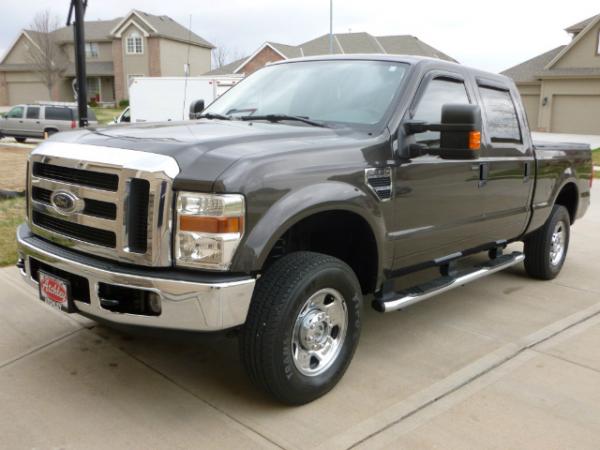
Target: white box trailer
161, 99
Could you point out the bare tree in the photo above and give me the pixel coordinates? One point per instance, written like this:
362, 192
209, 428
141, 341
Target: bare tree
45, 54
223, 55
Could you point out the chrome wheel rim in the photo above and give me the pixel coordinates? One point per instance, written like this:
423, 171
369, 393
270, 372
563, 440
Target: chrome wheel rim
557, 244
319, 332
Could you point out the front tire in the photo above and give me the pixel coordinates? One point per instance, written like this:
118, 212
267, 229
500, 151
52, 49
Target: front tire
20, 140
546, 249
303, 327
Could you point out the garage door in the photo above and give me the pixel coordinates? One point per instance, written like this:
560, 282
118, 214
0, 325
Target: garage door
576, 114
26, 92
532, 107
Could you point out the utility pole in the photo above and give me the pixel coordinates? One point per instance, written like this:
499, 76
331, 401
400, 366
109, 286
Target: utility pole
79, 7
331, 27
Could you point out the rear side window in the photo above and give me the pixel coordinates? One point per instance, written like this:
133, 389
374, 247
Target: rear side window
33, 112
53, 113
439, 92
502, 121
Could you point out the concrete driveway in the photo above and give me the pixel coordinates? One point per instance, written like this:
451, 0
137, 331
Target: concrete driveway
506, 362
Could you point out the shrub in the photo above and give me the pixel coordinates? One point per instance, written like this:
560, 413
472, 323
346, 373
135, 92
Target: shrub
123, 103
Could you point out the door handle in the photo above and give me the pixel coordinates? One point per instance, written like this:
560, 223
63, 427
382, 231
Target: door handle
20, 121
527, 172
484, 174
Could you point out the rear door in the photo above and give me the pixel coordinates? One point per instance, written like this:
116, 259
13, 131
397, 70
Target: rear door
32, 124
438, 204
508, 162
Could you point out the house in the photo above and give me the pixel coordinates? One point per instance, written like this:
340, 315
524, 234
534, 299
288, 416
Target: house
561, 87
342, 43
138, 44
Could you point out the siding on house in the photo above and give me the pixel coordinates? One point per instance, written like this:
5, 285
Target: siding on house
561, 88
166, 47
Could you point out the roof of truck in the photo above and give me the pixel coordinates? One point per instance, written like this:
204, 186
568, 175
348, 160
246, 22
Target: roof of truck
408, 59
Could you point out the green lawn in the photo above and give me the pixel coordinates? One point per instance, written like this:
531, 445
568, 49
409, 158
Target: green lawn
596, 156
12, 213
106, 115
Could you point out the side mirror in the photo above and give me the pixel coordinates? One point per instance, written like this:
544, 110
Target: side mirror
196, 108
460, 131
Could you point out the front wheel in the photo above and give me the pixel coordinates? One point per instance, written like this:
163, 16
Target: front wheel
20, 140
546, 249
303, 327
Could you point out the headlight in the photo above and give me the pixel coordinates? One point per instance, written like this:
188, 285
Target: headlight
209, 229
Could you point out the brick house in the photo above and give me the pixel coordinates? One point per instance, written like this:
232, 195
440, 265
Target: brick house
138, 44
342, 43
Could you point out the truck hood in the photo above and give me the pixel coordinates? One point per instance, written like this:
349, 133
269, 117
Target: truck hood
204, 149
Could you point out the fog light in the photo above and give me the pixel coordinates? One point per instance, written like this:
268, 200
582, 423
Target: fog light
154, 303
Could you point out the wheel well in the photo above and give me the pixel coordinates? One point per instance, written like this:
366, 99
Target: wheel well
568, 198
342, 234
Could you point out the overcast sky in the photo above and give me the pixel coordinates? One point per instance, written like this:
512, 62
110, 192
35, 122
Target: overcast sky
488, 35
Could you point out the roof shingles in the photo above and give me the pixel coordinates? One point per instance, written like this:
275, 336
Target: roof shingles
349, 43
528, 71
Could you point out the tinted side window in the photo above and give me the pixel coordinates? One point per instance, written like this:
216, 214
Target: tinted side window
16, 113
502, 122
438, 92
53, 113
33, 112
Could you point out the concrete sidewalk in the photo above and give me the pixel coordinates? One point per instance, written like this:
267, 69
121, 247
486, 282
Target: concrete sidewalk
506, 362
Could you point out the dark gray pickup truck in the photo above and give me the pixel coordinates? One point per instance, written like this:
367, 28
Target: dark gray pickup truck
310, 188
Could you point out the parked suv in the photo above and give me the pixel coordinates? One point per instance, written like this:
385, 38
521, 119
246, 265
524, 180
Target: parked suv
40, 120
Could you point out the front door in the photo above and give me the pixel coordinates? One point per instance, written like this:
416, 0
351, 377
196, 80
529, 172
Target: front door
438, 204
13, 121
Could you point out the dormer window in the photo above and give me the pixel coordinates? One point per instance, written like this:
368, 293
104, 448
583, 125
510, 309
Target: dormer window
135, 43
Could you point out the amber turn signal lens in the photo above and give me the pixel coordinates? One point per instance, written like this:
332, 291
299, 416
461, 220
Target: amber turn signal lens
210, 224
474, 140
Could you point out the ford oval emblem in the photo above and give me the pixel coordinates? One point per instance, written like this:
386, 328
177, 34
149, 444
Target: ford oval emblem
65, 202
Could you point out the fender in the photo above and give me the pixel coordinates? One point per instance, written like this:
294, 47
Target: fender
546, 194
302, 203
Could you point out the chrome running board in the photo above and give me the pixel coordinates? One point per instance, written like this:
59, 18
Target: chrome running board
399, 300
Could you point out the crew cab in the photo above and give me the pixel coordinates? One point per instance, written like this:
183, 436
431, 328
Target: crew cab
311, 188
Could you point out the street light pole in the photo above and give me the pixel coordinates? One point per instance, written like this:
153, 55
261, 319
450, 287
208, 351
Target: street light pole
331, 27
79, 6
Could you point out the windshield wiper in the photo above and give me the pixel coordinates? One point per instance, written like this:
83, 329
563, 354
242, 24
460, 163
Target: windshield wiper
280, 117
211, 116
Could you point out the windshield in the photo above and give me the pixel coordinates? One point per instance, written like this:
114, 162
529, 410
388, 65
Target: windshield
347, 92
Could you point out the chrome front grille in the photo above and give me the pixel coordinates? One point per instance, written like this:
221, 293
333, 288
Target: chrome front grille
114, 203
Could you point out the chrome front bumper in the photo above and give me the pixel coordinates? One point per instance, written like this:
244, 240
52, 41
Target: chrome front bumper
185, 304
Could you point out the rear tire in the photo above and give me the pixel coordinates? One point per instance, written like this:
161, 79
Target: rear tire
20, 140
303, 327
546, 249
48, 133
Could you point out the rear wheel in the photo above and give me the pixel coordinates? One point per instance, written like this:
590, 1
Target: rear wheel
48, 133
546, 249
20, 139
303, 327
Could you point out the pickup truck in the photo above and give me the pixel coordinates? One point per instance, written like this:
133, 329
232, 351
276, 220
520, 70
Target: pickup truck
313, 186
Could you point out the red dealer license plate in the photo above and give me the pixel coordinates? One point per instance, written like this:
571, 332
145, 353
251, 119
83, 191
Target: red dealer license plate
54, 291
